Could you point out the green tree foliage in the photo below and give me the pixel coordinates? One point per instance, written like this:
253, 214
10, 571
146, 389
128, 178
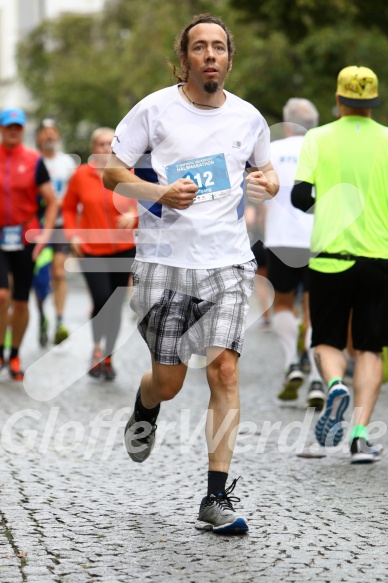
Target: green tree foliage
316, 39
300, 18
90, 70
70, 69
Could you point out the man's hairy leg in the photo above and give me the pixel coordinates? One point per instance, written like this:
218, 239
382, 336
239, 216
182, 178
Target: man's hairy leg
224, 407
331, 362
162, 383
368, 374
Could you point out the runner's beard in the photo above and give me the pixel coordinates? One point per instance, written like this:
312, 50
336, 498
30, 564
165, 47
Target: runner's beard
50, 145
211, 87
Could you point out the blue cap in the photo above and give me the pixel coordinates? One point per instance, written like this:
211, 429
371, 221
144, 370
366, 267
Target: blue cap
12, 115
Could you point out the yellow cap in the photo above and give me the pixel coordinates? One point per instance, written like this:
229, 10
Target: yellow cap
358, 87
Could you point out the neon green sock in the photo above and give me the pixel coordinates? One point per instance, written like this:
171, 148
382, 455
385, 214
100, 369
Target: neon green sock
359, 431
332, 381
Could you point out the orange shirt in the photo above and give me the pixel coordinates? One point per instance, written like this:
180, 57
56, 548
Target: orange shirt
91, 212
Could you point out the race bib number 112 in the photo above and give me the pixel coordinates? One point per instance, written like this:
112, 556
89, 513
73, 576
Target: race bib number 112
209, 173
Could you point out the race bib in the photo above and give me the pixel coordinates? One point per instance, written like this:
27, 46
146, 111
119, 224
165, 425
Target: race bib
209, 173
11, 238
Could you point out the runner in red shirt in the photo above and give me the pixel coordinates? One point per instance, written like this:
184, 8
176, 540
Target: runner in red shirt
23, 177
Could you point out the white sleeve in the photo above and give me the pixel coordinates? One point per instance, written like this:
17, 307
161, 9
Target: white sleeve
131, 137
261, 154
72, 162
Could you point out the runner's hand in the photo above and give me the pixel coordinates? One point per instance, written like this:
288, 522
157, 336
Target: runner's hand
40, 241
75, 244
127, 220
38, 248
258, 188
180, 195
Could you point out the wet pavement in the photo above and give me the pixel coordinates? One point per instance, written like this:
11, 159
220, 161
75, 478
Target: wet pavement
74, 508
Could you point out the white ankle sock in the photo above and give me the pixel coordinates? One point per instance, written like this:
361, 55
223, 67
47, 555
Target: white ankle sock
285, 326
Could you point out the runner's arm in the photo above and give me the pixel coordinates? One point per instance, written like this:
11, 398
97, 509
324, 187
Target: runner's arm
47, 193
272, 178
50, 214
178, 195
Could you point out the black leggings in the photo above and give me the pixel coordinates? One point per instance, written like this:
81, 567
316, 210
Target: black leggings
21, 266
111, 276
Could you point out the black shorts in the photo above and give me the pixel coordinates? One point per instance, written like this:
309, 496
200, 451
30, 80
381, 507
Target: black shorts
288, 268
260, 253
21, 266
333, 296
385, 316
61, 248
60, 244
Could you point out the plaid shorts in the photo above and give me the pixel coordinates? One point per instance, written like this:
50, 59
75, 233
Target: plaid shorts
183, 311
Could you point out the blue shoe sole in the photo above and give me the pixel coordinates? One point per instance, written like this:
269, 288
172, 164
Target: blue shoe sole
326, 423
239, 526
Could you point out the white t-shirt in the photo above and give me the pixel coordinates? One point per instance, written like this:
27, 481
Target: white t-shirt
285, 225
210, 146
60, 169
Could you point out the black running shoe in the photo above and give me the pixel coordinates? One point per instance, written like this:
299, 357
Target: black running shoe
363, 452
316, 396
216, 513
139, 437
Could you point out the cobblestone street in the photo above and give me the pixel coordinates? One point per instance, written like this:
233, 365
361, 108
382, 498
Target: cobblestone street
74, 508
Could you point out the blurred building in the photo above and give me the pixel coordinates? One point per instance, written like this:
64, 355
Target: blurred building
17, 19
